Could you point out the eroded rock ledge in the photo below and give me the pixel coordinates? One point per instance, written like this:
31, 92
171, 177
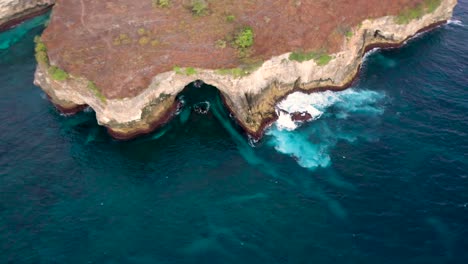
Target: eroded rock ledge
251, 97
13, 12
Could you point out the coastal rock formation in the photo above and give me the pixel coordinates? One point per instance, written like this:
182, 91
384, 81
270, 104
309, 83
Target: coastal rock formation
129, 62
14, 11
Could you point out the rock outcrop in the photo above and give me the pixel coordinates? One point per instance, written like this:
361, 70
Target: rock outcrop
15, 11
250, 95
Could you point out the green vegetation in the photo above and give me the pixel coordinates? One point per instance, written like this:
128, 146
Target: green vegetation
177, 70
230, 18
427, 6
122, 39
58, 74
161, 3
97, 91
41, 56
236, 72
349, 34
187, 71
41, 51
190, 71
243, 70
319, 57
242, 41
199, 7
141, 31
323, 59
143, 41
245, 38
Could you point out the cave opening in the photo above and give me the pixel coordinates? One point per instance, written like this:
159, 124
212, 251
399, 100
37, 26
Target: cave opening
198, 98
203, 104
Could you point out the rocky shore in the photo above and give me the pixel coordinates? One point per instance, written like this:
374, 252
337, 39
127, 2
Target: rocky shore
251, 96
13, 12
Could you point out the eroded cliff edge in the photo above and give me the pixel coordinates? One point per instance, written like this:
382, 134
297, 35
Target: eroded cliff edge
249, 93
15, 11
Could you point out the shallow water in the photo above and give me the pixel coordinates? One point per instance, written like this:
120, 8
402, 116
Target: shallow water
380, 176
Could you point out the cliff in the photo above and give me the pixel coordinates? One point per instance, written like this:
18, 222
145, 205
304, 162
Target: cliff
15, 11
129, 62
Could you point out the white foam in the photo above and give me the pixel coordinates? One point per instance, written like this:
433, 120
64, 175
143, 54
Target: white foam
285, 122
297, 145
314, 104
455, 22
310, 146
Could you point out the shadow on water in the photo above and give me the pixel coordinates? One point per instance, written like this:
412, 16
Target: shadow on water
203, 119
206, 100
208, 96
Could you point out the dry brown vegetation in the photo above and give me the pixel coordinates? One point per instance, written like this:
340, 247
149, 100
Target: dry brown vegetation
120, 45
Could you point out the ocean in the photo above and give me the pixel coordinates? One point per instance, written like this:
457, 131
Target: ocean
379, 176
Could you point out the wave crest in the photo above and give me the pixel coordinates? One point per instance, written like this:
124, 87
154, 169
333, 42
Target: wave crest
310, 145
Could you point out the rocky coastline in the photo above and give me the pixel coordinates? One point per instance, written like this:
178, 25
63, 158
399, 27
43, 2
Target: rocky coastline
304, 116
13, 12
250, 98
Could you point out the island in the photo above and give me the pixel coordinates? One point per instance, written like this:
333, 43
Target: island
128, 60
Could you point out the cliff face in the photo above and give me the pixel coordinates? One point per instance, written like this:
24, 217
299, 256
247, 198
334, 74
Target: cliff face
250, 95
14, 11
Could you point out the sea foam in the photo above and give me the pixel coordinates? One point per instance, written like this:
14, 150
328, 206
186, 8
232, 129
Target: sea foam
455, 22
310, 145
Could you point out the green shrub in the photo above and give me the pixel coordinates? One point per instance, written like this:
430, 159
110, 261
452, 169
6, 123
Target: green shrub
230, 18
58, 74
97, 91
236, 72
143, 41
40, 46
349, 34
122, 39
428, 6
319, 58
190, 71
161, 3
302, 56
141, 31
199, 7
177, 70
244, 70
41, 57
40, 51
323, 59
244, 39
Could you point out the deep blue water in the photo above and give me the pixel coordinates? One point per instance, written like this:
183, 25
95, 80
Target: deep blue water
380, 177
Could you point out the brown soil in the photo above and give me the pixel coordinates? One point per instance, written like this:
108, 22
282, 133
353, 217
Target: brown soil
83, 35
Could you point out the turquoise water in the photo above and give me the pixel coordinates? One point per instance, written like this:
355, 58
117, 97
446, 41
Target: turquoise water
379, 177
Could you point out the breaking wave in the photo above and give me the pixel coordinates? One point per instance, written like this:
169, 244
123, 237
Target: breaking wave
345, 115
455, 22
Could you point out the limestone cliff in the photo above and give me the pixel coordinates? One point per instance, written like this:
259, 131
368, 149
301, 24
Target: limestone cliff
13, 11
251, 95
